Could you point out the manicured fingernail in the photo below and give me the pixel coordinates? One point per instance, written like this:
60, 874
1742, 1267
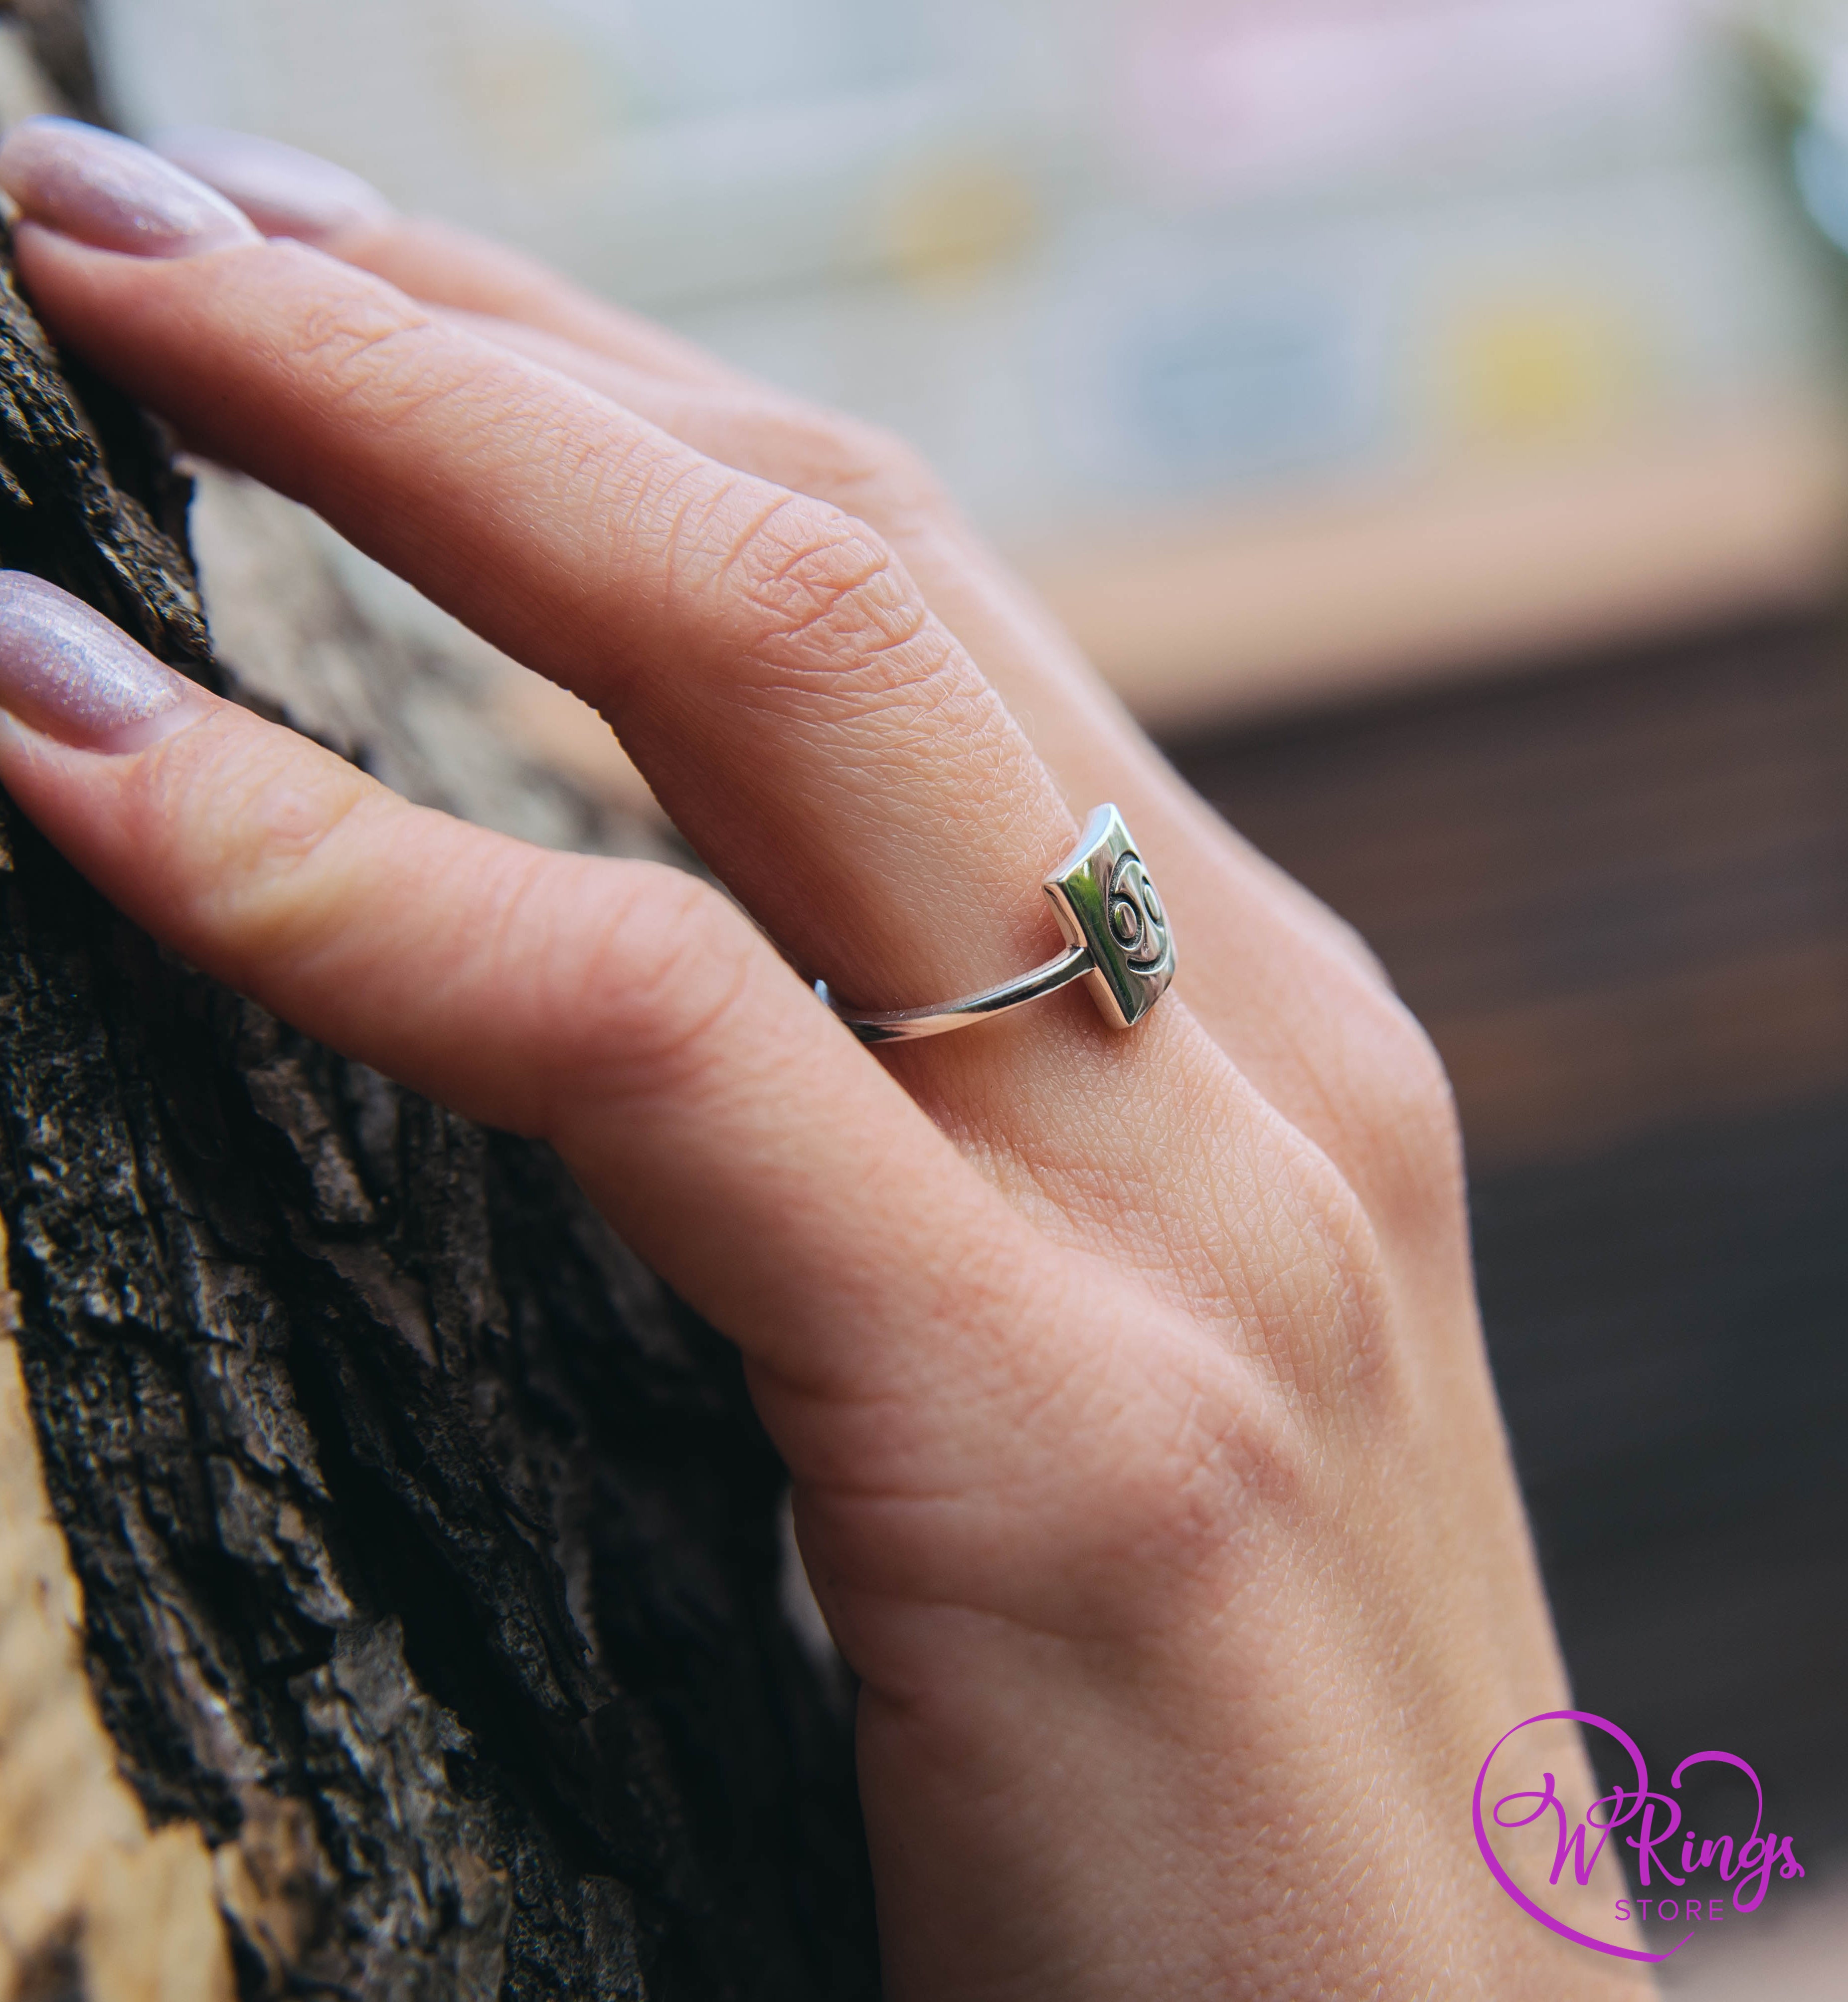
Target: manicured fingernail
65, 670
114, 194
284, 191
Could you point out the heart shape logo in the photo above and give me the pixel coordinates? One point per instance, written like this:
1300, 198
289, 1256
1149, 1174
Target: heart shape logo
1707, 1873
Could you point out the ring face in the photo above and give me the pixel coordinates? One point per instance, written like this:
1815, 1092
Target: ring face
1116, 937
1106, 902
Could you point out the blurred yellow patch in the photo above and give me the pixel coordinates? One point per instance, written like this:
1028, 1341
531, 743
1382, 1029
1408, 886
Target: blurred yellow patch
1521, 371
954, 221
532, 93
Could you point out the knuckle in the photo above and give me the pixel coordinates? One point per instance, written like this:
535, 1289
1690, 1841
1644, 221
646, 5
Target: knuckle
1424, 1090
826, 603
671, 969
862, 469
266, 864
1317, 1301
1412, 1119
363, 346
1393, 1126
1167, 1508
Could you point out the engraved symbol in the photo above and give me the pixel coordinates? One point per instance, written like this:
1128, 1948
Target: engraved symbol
1136, 916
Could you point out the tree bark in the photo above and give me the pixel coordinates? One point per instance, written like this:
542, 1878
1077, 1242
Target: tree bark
435, 1598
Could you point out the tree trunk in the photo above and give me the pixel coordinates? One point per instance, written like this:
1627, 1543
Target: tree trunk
435, 1598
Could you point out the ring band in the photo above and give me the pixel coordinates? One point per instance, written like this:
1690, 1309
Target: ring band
1119, 945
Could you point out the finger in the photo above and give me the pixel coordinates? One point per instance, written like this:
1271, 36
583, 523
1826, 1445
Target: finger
749, 1149
877, 805
1288, 990
288, 193
817, 734
621, 1010
1092, 747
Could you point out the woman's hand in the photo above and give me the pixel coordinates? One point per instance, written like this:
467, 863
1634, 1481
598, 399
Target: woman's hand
1145, 1459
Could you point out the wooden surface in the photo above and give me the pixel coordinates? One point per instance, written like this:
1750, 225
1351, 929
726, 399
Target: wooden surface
93, 1904
433, 1597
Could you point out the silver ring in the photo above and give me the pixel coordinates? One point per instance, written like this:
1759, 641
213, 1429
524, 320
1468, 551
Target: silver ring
1120, 945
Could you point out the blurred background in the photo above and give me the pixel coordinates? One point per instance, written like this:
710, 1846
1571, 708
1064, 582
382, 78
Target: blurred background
1433, 416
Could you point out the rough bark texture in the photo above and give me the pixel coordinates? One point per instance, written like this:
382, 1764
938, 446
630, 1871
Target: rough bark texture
429, 1550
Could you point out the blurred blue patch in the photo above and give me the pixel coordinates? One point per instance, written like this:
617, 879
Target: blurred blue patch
699, 58
1821, 163
1231, 391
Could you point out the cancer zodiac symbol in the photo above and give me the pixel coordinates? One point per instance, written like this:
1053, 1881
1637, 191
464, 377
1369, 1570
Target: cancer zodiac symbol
1137, 919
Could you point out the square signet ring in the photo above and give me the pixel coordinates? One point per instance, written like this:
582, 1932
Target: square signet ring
1119, 943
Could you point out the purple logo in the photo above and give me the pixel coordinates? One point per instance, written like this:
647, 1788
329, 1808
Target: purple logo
1697, 1878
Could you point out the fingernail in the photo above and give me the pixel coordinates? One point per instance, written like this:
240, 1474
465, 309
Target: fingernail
114, 194
284, 191
66, 671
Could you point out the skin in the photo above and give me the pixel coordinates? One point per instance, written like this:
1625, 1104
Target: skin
1146, 1457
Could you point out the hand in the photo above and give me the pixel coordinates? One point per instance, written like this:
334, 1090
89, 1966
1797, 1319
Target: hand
1145, 1459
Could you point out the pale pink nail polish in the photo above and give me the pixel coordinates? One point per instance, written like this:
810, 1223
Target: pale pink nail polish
113, 194
66, 671
284, 191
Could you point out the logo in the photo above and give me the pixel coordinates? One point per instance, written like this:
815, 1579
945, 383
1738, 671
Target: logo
1691, 1878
